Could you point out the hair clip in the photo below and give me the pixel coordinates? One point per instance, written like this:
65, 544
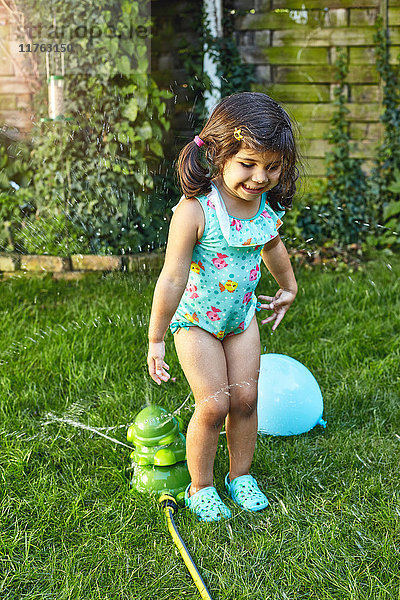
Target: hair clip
198, 141
238, 134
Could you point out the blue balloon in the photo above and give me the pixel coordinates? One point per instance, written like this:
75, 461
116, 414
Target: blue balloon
289, 397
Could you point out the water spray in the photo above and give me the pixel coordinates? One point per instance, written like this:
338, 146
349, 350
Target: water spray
159, 467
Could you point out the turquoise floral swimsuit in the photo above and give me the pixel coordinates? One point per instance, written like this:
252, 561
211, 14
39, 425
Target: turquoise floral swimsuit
225, 269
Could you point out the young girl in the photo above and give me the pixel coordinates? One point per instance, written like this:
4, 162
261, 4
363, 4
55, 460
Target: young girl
238, 178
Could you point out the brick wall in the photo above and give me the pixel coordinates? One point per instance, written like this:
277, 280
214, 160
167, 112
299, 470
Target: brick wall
17, 74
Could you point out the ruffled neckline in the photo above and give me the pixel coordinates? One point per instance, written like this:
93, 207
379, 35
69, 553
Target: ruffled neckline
261, 207
238, 232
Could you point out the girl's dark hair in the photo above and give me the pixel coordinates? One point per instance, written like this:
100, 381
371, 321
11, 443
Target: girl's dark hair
264, 125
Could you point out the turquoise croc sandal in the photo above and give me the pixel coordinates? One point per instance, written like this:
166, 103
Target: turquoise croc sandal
207, 504
245, 492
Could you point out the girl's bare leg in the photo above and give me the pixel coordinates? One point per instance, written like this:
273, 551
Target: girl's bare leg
202, 358
242, 352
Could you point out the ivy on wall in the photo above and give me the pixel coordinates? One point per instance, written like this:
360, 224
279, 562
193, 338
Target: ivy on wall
341, 209
234, 74
384, 192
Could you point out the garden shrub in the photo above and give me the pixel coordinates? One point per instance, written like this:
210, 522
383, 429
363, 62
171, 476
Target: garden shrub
93, 175
15, 175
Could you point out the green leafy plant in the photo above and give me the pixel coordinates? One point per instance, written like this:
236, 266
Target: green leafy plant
352, 205
312, 216
94, 173
15, 174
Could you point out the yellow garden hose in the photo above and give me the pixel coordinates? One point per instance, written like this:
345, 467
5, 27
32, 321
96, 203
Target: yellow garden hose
170, 508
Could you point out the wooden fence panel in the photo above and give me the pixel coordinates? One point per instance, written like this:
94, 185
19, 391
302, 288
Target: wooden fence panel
293, 44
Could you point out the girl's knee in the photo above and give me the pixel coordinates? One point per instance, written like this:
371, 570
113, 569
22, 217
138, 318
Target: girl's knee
244, 401
212, 412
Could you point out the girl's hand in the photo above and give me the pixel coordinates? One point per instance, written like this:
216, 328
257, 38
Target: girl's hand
155, 362
280, 304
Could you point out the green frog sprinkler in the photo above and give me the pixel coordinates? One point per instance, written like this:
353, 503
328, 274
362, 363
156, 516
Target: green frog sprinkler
159, 458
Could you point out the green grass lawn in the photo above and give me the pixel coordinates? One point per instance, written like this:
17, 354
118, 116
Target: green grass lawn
70, 528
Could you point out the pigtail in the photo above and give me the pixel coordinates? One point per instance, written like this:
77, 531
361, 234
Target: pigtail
193, 172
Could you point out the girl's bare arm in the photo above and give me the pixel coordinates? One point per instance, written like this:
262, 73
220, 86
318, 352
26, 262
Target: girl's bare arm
186, 223
277, 261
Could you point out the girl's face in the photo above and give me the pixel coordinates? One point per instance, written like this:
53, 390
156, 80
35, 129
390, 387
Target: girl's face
248, 174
